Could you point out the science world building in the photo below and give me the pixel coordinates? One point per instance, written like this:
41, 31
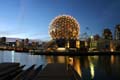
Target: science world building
65, 31
64, 26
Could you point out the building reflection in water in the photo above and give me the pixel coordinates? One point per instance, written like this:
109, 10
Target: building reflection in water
88, 67
75, 62
56, 59
13, 56
92, 61
49, 59
92, 70
112, 59
105, 64
83, 64
62, 59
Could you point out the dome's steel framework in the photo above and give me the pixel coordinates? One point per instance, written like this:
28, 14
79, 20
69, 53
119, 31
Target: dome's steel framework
65, 27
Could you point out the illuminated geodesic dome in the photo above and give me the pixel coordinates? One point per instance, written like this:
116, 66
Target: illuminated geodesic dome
64, 26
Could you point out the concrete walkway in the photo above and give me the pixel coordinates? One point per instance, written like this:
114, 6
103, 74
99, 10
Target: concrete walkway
54, 71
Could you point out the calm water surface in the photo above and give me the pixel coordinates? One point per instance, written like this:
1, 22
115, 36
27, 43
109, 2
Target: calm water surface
88, 67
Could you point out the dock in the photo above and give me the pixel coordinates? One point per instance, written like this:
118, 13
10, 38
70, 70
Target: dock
52, 71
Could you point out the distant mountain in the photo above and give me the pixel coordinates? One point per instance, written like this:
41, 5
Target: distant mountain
14, 39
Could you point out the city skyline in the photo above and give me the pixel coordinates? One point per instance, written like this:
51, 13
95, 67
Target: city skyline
31, 18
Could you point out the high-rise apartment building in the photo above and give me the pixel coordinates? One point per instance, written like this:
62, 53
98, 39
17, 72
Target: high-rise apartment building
117, 32
107, 34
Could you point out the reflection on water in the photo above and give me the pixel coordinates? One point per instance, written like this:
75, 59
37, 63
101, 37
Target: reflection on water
13, 56
56, 59
112, 59
88, 67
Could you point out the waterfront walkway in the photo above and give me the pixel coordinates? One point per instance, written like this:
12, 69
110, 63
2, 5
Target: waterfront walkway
53, 71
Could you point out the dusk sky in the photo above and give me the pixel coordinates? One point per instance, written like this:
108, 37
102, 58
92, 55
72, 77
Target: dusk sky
31, 18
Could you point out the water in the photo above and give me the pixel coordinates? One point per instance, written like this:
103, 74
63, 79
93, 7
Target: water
88, 67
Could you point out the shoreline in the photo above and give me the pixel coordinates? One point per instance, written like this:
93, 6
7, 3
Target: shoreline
77, 53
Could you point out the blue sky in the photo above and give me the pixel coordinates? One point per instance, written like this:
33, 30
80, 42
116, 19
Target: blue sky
31, 18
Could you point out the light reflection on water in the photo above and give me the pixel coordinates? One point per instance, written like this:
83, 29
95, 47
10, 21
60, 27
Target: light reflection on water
22, 58
88, 67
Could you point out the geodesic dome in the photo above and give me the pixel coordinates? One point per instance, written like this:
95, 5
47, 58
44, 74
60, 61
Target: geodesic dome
64, 26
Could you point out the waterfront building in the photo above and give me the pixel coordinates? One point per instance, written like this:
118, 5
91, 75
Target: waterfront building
104, 45
64, 31
18, 43
96, 37
26, 42
117, 45
117, 32
2, 40
34, 44
107, 34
